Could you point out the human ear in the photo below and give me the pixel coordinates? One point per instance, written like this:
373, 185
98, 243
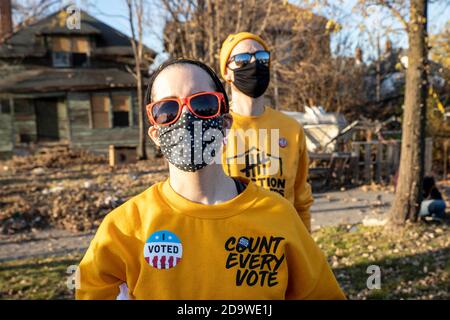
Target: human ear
229, 75
154, 134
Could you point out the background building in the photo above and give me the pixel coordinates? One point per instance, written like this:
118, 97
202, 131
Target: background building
67, 85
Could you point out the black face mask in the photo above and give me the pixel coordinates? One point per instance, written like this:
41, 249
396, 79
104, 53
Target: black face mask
191, 143
252, 79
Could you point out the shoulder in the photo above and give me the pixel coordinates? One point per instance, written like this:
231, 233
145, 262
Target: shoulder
285, 119
287, 123
290, 127
128, 216
277, 215
275, 205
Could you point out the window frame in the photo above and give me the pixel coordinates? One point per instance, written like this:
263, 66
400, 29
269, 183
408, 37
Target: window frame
128, 95
91, 109
5, 106
72, 49
60, 65
109, 95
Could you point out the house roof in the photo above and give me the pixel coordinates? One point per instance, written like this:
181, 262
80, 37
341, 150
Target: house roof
28, 41
54, 80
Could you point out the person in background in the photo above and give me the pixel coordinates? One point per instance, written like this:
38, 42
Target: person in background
432, 205
245, 65
201, 234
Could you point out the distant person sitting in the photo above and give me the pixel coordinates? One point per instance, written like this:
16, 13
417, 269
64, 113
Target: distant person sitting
432, 205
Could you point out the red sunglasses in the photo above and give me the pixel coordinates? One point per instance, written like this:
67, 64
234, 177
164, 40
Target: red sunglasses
204, 105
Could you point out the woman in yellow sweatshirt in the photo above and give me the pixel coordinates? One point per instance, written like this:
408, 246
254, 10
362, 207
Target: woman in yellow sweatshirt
201, 234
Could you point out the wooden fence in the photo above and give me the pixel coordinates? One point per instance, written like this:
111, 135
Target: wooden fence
373, 161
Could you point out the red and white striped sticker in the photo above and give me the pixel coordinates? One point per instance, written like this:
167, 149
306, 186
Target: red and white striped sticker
163, 250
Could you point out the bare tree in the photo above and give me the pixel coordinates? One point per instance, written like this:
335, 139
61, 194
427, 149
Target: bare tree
411, 19
26, 12
136, 16
409, 187
135, 19
304, 72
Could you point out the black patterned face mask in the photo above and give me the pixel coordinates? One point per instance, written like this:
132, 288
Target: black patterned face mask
191, 143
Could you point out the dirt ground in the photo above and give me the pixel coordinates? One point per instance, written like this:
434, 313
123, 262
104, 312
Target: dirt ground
52, 203
70, 190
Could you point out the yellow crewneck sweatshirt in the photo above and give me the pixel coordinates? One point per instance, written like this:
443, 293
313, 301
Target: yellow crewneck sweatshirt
255, 159
164, 246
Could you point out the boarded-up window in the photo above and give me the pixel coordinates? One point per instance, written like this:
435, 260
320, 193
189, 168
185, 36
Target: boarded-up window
100, 111
80, 45
61, 44
121, 110
70, 51
70, 44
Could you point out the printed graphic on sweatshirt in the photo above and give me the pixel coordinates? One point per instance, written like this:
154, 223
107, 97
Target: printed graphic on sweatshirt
259, 166
163, 250
255, 259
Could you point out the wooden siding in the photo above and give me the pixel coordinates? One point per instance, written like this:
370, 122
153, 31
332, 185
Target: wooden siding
6, 133
82, 133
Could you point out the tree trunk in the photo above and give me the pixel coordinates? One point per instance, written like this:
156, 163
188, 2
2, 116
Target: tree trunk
378, 70
409, 187
136, 9
141, 152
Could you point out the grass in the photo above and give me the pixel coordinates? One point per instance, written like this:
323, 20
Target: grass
37, 278
414, 263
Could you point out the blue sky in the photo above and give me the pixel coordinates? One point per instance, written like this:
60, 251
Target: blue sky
113, 12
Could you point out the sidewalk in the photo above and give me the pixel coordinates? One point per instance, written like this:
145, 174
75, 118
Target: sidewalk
349, 206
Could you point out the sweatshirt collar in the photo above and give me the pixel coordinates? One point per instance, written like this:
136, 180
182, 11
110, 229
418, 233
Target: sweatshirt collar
265, 114
222, 210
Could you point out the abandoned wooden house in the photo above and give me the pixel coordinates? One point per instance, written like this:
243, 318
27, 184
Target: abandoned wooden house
68, 85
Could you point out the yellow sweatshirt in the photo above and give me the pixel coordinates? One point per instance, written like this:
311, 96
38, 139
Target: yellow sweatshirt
164, 246
257, 157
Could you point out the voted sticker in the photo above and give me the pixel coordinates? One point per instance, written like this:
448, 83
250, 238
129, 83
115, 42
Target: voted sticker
282, 142
163, 250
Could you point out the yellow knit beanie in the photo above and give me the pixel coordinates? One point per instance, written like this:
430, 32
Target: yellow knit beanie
230, 42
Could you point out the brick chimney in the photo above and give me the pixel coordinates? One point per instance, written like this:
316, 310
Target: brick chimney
5, 19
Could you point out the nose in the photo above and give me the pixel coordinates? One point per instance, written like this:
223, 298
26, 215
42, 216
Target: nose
184, 109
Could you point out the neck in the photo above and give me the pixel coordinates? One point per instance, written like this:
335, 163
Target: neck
209, 185
245, 105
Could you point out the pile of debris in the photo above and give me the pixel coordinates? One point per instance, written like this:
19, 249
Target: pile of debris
76, 209
51, 157
69, 189
17, 214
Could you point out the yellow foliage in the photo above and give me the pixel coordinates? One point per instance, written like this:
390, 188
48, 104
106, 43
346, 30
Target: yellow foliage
436, 99
333, 26
440, 46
